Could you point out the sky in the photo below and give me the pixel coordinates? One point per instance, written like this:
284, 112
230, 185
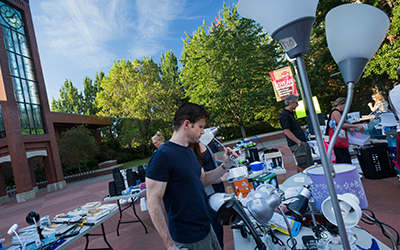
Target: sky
78, 38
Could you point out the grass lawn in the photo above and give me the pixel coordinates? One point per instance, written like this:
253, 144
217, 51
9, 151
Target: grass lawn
135, 163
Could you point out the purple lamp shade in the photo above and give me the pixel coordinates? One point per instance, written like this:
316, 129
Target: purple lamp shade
347, 181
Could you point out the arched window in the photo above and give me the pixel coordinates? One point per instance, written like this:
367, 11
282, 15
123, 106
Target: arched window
21, 69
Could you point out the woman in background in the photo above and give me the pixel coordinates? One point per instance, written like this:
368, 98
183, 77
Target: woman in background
381, 106
208, 161
157, 140
341, 147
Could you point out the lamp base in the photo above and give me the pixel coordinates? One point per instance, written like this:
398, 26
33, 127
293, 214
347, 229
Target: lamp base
295, 36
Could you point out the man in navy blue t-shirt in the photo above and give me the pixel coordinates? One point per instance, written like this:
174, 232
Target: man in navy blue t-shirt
175, 182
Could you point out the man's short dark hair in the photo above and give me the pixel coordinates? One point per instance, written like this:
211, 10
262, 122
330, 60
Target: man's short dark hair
189, 111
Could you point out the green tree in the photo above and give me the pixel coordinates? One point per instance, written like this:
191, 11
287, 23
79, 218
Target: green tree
171, 94
129, 89
387, 58
172, 91
226, 68
74, 102
90, 91
136, 90
70, 100
77, 145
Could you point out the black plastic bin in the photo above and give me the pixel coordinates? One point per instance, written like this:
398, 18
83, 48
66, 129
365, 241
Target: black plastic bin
375, 161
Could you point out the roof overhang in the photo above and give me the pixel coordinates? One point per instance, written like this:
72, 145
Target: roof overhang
69, 120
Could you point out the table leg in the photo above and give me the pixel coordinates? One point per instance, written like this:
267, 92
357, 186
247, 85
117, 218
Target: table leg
134, 211
132, 203
103, 233
120, 217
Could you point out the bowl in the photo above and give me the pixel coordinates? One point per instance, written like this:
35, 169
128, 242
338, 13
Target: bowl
237, 173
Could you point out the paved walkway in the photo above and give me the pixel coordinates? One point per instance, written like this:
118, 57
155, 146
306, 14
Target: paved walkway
383, 198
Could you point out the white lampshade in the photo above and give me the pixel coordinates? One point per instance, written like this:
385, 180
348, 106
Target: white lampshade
349, 207
213, 130
354, 33
218, 199
388, 120
274, 14
288, 21
207, 137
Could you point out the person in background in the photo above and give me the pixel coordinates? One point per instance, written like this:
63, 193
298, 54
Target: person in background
175, 182
207, 160
394, 99
341, 147
157, 140
381, 106
295, 136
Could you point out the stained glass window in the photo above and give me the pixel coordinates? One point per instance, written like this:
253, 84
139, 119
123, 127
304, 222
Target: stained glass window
22, 72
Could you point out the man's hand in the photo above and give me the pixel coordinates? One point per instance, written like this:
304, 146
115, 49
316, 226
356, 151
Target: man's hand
291, 136
226, 157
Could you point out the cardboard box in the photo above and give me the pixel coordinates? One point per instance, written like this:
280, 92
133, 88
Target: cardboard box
241, 187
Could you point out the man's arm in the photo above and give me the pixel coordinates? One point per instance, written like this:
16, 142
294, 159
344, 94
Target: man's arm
291, 136
154, 192
210, 177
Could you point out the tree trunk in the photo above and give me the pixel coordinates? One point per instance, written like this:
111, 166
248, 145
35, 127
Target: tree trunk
243, 131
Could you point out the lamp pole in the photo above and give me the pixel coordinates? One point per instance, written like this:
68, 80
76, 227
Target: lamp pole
350, 91
297, 80
327, 166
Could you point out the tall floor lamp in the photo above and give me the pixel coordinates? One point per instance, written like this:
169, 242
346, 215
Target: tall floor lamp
290, 22
354, 33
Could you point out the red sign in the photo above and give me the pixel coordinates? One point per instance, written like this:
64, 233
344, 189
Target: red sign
283, 82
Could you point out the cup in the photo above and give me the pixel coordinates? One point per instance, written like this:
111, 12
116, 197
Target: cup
257, 166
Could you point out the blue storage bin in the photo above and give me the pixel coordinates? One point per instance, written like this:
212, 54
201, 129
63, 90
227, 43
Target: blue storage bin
377, 134
391, 142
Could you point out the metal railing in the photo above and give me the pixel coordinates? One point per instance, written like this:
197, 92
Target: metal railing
77, 176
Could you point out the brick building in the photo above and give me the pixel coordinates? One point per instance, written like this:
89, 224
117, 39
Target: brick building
27, 127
